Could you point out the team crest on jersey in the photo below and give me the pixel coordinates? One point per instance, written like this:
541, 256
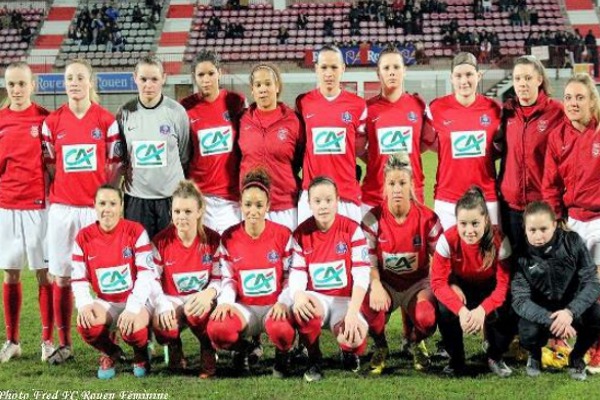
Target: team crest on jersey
485, 120
35, 131
542, 125
412, 116
596, 149
226, 116
273, 257
346, 117
127, 252
206, 259
165, 130
282, 134
96, 134
417, 242
341, 248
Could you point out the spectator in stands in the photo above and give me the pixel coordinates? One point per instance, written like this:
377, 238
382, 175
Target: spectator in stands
485, 51
26, 33
328, 27
390, 20
156, 11
212, 30
354, 26
590, 41
398, 5
420, 56
96, 27
136, 15
111, 13
301, 21
283, 35
216, 4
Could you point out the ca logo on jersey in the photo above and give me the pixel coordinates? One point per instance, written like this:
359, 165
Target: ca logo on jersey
150, 154
327, 276
468, 144
186, 282
394, 139
216, 140
259, 282
400, 263
114, 280
329, 140
79, 157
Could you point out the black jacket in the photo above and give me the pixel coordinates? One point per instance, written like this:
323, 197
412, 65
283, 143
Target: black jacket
558, 275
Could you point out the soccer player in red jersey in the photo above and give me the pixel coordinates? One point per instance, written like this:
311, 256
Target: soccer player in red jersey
464, 125
527, 120
271, 137
334, 122
254, 296
23, 216
470, 279
114, 257
82, 152
186, 255
395, 120
572, 162
214, 118
329, 279
401, 234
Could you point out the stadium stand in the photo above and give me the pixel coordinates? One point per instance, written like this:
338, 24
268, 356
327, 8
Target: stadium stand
15, 43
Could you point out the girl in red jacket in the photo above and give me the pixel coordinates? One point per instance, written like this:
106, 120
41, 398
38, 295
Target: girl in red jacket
470, 279
186, 256
527, 120
572, 162
271, 137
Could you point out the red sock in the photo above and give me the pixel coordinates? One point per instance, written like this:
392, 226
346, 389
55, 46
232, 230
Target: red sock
63, 310
224, 334
46, 314
375, 319
164, 337
422, 314
137, 339
13, 298
309, 331
198, 324
281, 333
360, 350
98, 337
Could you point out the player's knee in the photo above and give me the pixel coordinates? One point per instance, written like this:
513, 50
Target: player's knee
226, 333
281, 333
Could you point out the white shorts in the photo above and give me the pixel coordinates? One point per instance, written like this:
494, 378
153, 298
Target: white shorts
403, 299
345, 208
23, 239
447, 212
64, 222
334, 309
365, 208
179, 301
590, 233
287, 218
255, 317
221, 213
115, 309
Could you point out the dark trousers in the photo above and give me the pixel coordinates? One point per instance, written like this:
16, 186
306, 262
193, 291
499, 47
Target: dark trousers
534, 336
153, 214
512, 226
499, 326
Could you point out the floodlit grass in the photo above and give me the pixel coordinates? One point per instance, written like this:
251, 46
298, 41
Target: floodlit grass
28, 378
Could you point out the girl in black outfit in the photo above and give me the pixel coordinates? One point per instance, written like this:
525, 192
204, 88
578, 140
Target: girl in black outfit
555, 290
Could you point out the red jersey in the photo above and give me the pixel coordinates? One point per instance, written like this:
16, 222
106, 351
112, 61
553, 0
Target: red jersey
331, 129
328, 258
455, 258
525, 139
186, 270
277, 144
22, 181
571, 175
255, 271
111, 263
465, 145
214, 131
401, 251
85, 152
392, 127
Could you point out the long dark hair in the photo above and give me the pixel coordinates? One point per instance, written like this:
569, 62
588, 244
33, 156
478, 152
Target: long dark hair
471, 200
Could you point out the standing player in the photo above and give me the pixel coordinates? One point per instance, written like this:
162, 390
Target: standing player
394, 123
156, 131
572, 162
186, 254
114, 257
271, 137
81, 141
255, 262
334, 121
401, 234
527, 120
470, 278
464, 126
214, 117
329, 279
23, 216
